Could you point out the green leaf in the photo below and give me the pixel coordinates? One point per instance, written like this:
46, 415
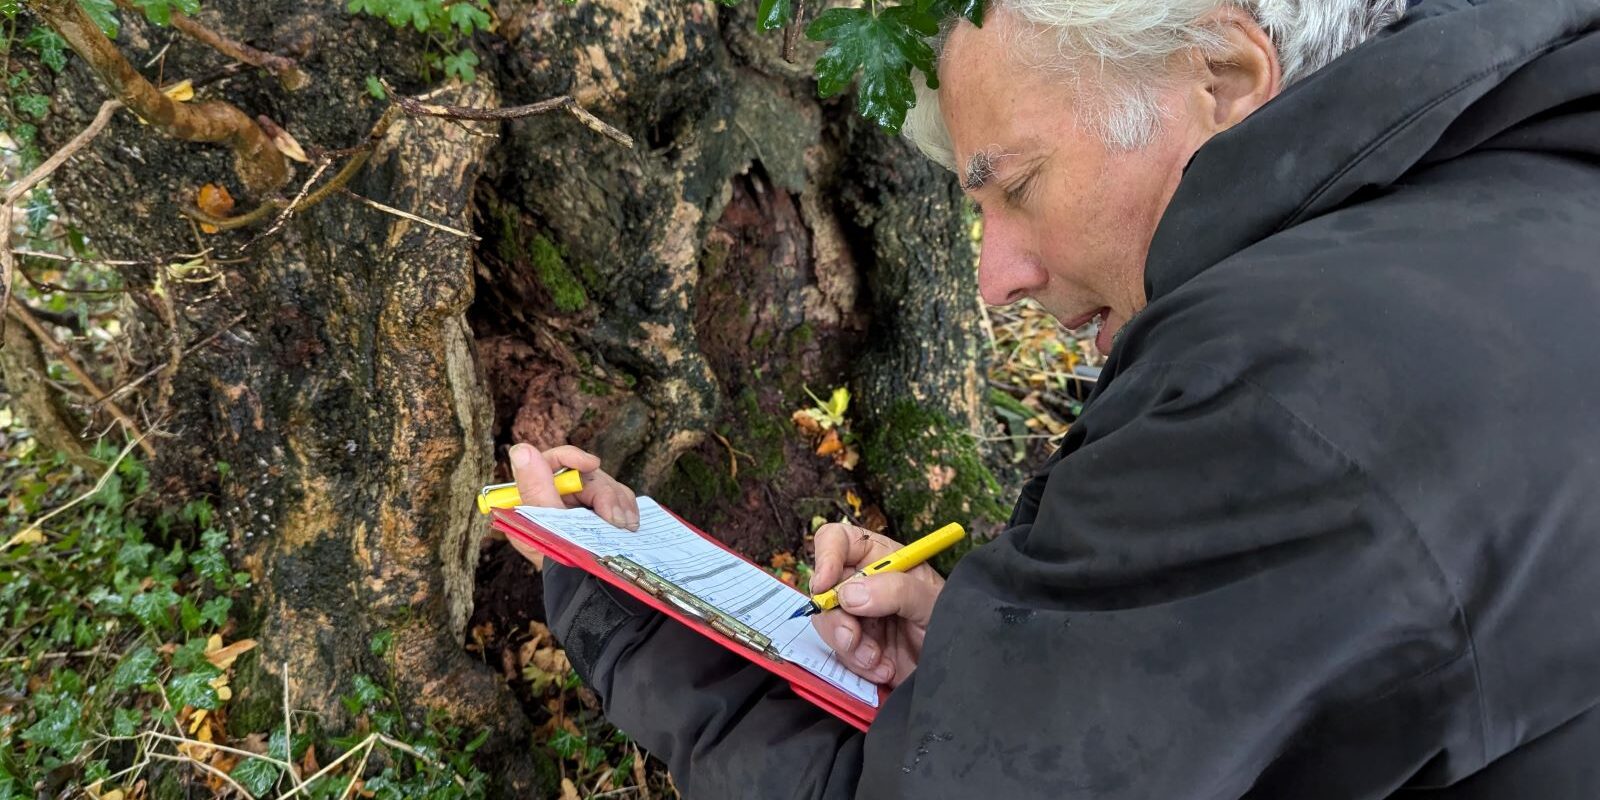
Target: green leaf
8, 9
125, 721
883, 48
34, 105
104, 15
188, 7
151, 607
467, 17
136, 669
772, 15
215, 611
157, 11
194, 689
60, 729
256, 775
189, 616
52, 49
380, 642
461, 66
375, 89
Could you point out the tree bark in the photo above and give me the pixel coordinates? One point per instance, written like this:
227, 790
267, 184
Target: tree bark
666, 306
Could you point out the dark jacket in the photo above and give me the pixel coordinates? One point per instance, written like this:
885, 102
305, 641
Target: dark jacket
1330, 525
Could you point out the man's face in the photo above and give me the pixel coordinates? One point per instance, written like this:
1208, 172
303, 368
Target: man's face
1067, 220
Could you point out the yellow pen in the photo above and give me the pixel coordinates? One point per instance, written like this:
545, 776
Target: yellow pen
505, 495
899, 561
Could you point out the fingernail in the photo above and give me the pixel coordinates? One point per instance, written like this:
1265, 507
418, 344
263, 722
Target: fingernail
847, 639
868, 654
633, 520
522, 455
853, 594
883, 673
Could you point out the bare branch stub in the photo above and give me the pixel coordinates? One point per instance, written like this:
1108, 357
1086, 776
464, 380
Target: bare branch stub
259, 164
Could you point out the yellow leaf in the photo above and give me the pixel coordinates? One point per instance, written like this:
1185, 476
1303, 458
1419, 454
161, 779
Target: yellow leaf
114, 794
223, 657
287, 145
214, 200
182, 91
568, 790
854, 500
29, 536
839, 403
5, 417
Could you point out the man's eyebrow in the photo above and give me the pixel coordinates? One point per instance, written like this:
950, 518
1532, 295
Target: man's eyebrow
980, 168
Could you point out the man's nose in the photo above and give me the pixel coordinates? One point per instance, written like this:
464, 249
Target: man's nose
1007, 272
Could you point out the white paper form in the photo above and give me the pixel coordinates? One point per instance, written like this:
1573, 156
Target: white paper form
732, 585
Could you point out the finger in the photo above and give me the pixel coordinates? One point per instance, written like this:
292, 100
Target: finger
838, 546
572, 458
614, 503
535, 480
868, 654
839, 630
890, 594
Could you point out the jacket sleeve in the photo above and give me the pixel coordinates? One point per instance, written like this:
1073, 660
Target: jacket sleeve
725, 727
1213, 601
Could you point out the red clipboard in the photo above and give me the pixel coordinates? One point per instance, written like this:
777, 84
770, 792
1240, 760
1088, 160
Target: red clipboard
807, 685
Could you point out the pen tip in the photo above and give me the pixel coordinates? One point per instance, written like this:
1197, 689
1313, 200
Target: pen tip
804, 611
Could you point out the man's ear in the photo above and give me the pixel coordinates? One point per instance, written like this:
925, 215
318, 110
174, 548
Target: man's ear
1243, 74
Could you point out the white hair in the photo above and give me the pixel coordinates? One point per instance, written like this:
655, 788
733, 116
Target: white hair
1128, 46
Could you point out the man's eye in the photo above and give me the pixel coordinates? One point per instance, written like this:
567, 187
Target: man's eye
1017, 193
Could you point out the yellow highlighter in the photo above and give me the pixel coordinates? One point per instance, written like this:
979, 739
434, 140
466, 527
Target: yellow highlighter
899, 561
505, 495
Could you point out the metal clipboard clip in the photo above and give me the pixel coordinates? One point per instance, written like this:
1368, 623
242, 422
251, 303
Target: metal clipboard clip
686, 602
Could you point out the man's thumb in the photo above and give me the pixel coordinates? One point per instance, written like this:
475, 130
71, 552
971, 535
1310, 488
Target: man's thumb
891, 594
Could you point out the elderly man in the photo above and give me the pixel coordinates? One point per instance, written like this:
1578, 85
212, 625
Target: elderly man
1329, 527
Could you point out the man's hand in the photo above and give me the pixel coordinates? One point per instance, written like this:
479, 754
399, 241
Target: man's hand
878, 627
535, 476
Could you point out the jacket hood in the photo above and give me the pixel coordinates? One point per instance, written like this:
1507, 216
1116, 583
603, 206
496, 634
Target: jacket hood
1450, 77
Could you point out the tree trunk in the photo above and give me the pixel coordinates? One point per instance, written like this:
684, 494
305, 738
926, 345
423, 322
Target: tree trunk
666, 306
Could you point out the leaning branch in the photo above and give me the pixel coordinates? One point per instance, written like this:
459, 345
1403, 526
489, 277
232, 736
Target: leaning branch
32, 179
285, 68
17, 310
259, 164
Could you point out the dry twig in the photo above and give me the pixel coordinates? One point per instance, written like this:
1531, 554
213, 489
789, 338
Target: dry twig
17, 310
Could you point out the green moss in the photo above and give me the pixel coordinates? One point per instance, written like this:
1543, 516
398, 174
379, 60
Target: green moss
913, 447
596, 388
761, 340
760, 434
695, 484
550, 268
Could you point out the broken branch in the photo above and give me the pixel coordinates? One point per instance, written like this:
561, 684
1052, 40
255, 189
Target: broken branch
417, 108
49, 342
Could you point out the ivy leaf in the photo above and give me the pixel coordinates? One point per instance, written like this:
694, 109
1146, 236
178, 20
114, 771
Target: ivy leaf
8, 9
125, 721
883, 47
194, 689
151, 607
772, 15
60, 729
52, 49
157, 11
375, 88
137, 668
256, 775
104, 15
189, 616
